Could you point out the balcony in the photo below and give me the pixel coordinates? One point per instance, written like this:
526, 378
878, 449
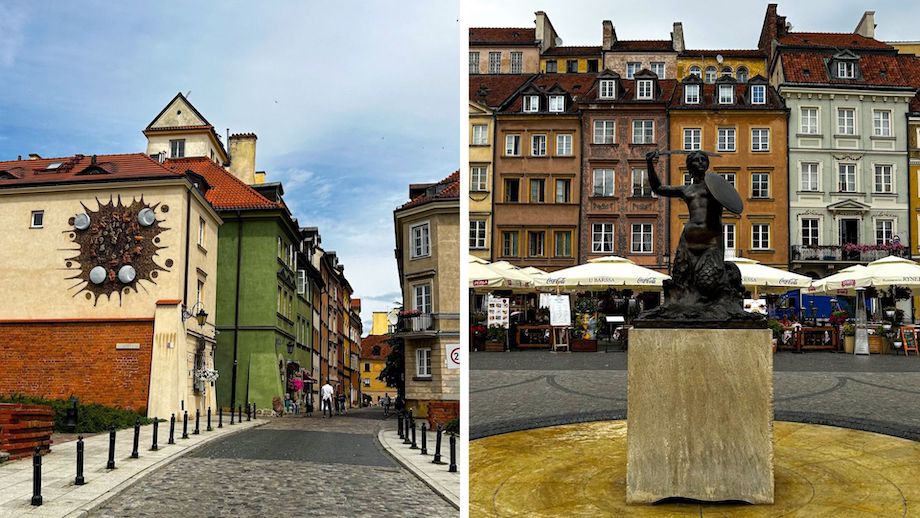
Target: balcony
417, 324
847, 253
732, 253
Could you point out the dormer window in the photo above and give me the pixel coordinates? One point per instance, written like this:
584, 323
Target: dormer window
846, 70
557, 103
758, 94
695, 71
726, 94
692, 94
608, 89
531, 103
644, 89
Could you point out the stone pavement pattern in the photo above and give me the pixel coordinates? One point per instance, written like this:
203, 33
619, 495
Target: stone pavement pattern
444, 482
519, 390
290, 467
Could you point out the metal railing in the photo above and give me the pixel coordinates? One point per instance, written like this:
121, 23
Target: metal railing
840, 253
417, 323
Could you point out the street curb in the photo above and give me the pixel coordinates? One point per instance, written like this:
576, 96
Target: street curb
415, 471
114, 491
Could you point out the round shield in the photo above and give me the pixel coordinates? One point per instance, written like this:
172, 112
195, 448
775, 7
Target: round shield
81, 221
724, 193
126, 274
97, 275
145, 217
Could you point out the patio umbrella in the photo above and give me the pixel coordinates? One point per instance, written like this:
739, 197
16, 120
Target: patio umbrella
760, 277
606, 272
474, 259
488, 277
894, 271
843, 282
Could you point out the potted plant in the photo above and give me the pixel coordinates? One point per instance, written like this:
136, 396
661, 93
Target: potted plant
585, 339
496, 337
776, 328
878, 343
849, 337
478, 334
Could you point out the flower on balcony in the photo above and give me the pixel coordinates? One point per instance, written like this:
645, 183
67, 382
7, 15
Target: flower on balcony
410, 313
893, 246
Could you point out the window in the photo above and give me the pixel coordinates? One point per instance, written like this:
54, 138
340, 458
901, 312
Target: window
603, 182
517, 62
604, 132
726, 94
693, 139
474, 63
537, 190
759, 94
710, 75
631, 69
423, 362
563, 186
510, 244
643, 132
881, 123
658, 69
199, 295
513, 145
535, 243
280, 300
640, 185
367, 368
602, 237
177, 148
495, 62
422, 297
846, 121
480, 135
421, 242
608, 88
884, 179
477, 233
760, 139
641, 242
846, 177
846, 70
563, 244
512, 190
728, 238
695, 71
531, 103
556, 103
760, 236
692, 94
38, 219
726, 139
571, 66
479, 178
564, 145
809, 176
810, 231
592, 66
884, 231
201, 228
742, 75
551, 66
809, 124
688, 179
760, 185
538, 145
644, 89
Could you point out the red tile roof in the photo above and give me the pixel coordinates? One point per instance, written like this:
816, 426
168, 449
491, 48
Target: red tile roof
877, 70
576, 85
81, 169
227, 192
729, 53
643, 45
626, 93
502, 36
369, 342
446, 189
710, 101
915, 104
838, 40
494, 89
593, 50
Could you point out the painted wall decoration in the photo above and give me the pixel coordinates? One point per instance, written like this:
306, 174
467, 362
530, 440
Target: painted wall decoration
117, 244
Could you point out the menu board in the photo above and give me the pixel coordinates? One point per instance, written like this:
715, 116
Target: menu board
560, 313
498, 311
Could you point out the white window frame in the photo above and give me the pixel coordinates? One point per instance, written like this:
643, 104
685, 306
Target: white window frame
568, 242
604, 129
607, 89
879, 228
710, 74
631, 68
568, 188
692, 99
480, 135
479, 178
695, 139
420, 240
809, 129
726, 140
513, 145
810, 232
803, 175
645, 89
881, 123
474, 62
875, 179
729, 238
535, 148
557, 103
659, 68
531, 103
422, 298
855, 175
643, 131
177, 148
758, 94
478, 237
727, 94
37, 219
564, 144
605, 188
516, 242
423, 362
542, 192
643, 227
760, 140
742, 74
846, 123
495, 62
846, 70
601, 231
754, 236
755, 185
729, 177
695, 70
201, 231
517, 62
641, 174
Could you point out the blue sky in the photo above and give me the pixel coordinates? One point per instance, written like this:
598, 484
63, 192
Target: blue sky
351, 100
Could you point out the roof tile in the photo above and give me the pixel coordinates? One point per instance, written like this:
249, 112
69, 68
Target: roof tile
227, 192
502, 36
446, 189
75, 169
878, 70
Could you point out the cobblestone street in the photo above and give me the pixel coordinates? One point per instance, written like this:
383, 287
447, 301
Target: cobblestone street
333, 467
519, 390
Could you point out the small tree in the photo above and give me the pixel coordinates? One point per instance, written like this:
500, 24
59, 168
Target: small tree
394, 369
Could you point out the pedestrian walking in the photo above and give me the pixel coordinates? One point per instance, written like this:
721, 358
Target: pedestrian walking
342, 402
326, 395
386, 404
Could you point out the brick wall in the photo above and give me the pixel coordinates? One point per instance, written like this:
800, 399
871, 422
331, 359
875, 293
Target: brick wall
57, 359
440, 412
23, 427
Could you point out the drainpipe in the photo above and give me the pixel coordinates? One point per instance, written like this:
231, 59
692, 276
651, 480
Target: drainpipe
236, 306
188, 224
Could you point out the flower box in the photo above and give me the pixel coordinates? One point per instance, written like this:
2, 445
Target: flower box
495, 347
584, 345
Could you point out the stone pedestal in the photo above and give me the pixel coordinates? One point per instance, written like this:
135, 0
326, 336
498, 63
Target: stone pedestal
700, 415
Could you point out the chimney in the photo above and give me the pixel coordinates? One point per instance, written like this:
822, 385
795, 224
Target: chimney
260, 177
34, 156
544, 32
677, 37
866, 26
610, 35
242, 147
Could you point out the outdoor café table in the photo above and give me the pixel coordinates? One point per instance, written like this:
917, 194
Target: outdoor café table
812, 338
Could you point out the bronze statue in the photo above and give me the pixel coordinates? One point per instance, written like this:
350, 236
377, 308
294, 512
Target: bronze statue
704, 289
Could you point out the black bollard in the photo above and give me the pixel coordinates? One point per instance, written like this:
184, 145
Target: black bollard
156, 427
197, 422
79, 481
413, 447
137, 437
399, 425
172, 430
220, 417
232, 415
185, 424
239, 415
406, 426
111, 463
37, 476
437, 447
424, 439
208, 429
250, 411
453, 454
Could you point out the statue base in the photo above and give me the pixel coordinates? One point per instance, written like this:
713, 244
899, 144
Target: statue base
700, 414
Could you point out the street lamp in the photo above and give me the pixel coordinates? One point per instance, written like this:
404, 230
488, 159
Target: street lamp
201, 316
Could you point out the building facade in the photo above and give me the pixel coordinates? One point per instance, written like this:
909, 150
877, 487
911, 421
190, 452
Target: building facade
374, 352
709, 65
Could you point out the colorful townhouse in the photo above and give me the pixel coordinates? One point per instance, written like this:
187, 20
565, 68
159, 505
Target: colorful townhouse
374, 352
709, 65
622, 120
913, 143
629, 57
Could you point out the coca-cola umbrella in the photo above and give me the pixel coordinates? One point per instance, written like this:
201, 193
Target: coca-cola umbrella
487, 277
761, 278
606, 272
883, 273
